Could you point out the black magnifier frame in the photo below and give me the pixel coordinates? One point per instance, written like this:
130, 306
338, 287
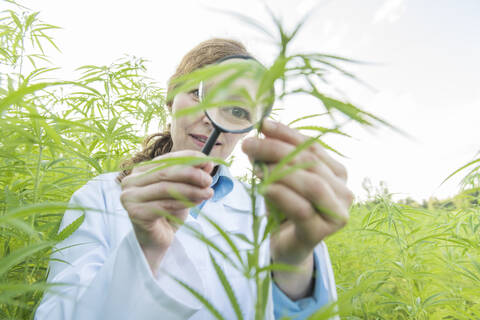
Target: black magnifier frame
207, 148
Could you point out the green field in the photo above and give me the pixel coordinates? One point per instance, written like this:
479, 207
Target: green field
400, 262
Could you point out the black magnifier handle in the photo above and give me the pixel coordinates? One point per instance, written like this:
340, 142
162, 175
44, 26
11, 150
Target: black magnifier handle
211, 141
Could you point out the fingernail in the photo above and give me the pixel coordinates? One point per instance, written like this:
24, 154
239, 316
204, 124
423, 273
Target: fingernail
269, 124
210, 192
207, 180
247, 143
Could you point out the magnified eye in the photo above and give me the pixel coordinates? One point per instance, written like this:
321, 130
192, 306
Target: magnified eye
238, 112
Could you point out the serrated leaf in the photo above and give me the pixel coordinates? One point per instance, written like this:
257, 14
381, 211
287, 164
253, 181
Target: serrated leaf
19, 255
227, 287
203, 300
68, 230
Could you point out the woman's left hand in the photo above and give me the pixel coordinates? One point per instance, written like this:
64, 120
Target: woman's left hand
315, 200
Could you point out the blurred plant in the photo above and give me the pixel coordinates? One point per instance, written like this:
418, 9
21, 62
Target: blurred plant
411, 263
54, 138
110, 107
471, 180
288, 67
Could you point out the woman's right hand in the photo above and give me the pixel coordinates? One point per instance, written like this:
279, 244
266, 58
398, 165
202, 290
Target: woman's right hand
147, 196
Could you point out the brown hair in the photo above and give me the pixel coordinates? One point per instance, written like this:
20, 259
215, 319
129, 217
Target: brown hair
205, 53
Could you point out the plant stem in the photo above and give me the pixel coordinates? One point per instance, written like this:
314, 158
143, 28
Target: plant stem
107, 138
37, 172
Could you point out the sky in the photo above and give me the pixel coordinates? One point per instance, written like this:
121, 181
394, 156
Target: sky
423, 71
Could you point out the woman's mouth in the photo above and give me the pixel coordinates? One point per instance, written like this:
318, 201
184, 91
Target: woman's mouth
201, 139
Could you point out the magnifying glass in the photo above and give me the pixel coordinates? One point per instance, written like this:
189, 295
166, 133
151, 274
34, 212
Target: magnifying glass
237, 107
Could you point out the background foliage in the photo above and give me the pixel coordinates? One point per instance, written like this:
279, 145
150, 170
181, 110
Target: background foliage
393, 261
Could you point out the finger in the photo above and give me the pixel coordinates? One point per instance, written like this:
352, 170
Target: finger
167, 190
312, 227
207, 167
311, 185
282, 132
273, 151
185, 174
266, 150
321, 197
293, 205
152, 210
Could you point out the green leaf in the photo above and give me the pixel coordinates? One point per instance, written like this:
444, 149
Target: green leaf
68, 230
16, 96
460, 169
276, 267
191, 81
185, 160
20, 255
262, 300
322, 130
277, 175
227, 287
227, 239
307, 117
37, 208
215, 313
278, 169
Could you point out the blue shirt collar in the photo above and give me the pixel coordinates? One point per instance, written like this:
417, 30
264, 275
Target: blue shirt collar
222, 184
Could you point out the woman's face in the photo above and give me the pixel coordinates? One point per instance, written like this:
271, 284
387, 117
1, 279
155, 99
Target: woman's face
191, 132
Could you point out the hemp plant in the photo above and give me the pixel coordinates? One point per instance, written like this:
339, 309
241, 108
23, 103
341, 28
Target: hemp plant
57, 134
54, 139
287, 68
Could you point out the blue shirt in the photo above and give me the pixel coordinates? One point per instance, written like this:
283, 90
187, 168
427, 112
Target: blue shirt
222, 185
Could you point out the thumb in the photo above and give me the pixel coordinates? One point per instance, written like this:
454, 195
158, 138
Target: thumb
206, 166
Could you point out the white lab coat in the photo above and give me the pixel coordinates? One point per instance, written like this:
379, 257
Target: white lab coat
105, 275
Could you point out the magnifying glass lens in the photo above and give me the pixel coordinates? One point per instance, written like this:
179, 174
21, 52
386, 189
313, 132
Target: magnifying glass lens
231, 99
232, 117
234, 108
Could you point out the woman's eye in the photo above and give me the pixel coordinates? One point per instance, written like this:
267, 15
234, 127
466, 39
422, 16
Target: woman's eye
195, 93
239, 113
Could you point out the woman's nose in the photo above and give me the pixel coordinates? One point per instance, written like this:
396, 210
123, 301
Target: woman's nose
206, 121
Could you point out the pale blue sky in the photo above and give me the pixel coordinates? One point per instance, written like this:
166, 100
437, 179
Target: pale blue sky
426, 72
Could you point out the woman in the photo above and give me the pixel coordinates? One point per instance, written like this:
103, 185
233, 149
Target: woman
122, 258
